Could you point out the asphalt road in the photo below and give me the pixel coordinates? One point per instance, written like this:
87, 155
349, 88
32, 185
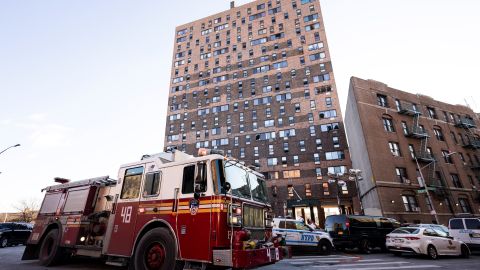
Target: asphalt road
10, 260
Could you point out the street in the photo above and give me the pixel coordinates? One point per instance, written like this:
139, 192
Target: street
10, 259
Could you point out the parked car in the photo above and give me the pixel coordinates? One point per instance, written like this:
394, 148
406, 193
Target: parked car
13, 233
466, 229
298, 235
425, 241
431, 226
362, 232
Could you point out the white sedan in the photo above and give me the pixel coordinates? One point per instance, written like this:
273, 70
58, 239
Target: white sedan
426, 241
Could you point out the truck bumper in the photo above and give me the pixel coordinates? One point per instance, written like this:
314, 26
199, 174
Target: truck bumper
249, 258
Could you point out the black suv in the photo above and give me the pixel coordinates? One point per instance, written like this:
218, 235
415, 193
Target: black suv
13, 233
362, 232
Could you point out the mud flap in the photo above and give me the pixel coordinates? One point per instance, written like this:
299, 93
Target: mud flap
30, 253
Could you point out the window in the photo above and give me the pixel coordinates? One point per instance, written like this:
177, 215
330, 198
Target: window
411, 150
410, 203
472, 223
456, 224
456, 181
431, 113
272, 161
404, 128
316, 158
388, 124
318, 143
295, 161
382, 100
131, 183
308, 190
291, 174
465, 205
447, 156
438, 134
401, 174
152, 183
326, 190
336, 142
290, 191
395, 149
335, 155
188, 179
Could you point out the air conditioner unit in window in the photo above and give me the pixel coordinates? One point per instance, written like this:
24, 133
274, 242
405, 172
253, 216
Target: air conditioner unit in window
417, 209
407, 181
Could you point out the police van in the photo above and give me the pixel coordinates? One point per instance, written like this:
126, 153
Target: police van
298, 235
466, 229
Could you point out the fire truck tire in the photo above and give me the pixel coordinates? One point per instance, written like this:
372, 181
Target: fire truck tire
155, 251
50, 251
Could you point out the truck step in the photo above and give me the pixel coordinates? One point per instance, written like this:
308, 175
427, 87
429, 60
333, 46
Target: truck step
116, 261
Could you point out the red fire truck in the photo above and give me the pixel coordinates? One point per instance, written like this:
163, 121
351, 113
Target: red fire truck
168, 211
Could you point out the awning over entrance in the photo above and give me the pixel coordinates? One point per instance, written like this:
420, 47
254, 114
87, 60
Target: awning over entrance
302, 203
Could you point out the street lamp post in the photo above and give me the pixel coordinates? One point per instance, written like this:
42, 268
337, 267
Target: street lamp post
16, 145
356, 173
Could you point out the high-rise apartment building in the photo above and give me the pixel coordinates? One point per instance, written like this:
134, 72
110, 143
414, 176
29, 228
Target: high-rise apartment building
257, 81
420, 157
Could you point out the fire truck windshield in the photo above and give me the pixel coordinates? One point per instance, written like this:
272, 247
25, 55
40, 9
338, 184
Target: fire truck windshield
245, 184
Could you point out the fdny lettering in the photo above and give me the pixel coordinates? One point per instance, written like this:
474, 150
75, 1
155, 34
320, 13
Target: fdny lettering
126, 214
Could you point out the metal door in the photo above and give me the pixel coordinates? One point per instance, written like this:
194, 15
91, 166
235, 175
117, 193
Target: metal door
122, 232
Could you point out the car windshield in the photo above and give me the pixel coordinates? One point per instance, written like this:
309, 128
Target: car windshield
5, 225
406, 230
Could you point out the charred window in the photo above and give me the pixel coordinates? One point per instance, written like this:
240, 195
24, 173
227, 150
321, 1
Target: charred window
131, 183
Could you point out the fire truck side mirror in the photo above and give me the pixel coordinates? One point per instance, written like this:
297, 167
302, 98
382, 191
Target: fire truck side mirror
226, 187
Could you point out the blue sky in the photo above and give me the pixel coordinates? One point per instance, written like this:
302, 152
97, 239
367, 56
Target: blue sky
84, 84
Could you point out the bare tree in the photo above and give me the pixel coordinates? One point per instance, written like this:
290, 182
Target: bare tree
27, 209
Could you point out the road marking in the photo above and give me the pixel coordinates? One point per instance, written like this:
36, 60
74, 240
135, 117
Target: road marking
343, 261
392, 267
361, 263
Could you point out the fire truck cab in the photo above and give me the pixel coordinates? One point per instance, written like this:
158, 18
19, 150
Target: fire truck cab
168, 211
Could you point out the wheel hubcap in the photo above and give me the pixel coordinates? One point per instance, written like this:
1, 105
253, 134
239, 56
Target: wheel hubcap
155, 256
433, 253
4, 242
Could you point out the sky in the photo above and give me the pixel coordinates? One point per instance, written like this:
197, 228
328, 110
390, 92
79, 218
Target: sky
84, 84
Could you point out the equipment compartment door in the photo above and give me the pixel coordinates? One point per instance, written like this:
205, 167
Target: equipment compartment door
122, 233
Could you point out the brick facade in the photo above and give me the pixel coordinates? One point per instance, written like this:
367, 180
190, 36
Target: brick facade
444, 139
252, 71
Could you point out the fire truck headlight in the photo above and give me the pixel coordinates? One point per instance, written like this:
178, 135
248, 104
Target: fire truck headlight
82, 239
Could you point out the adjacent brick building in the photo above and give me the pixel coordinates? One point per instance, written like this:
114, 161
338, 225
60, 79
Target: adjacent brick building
389, 130
257, 81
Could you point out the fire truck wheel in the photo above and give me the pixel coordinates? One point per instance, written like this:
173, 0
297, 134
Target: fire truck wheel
155, 251
50, 252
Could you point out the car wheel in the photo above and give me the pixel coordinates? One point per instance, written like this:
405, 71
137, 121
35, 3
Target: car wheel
432, 252
3, 242
156, 250
365, 246
50, 251
324, 247
465, 251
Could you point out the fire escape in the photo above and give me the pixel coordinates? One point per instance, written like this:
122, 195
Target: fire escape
471, 141
434, 181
